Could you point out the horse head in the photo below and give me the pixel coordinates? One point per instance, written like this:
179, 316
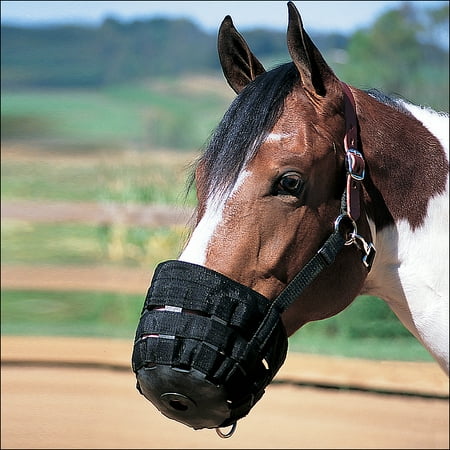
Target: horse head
283, 234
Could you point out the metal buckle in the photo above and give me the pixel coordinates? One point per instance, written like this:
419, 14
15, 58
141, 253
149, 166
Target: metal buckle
355, 164
367, 248
352, 237
369, 256
352, 228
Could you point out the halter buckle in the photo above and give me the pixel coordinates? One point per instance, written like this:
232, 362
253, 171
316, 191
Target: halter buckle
351, 228
352, 237
369, 256
367, 248
355, 164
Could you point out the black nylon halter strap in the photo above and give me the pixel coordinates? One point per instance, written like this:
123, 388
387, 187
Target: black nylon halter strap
322, 259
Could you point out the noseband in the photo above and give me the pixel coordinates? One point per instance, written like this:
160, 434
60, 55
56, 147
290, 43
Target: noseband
206, 346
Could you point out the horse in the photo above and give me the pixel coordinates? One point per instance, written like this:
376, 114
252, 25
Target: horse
310, 193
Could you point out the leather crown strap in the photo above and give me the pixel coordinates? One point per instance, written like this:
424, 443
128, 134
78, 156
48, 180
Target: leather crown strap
355, 164
349, 214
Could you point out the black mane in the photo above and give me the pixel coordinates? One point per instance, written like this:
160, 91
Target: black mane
393, 102
244, 127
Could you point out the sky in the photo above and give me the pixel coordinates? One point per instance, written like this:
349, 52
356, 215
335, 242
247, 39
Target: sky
343, 16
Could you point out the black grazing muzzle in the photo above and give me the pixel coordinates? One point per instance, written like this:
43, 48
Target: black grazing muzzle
197, 354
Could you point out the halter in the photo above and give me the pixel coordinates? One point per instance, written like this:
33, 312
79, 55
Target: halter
207, 346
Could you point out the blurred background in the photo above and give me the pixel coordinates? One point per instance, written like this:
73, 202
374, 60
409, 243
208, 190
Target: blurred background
105, 106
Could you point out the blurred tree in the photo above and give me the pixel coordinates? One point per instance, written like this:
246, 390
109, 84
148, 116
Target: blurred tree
402, 54
437, 26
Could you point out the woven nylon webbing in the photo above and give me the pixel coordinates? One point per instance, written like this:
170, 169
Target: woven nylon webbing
211, 332
322, 259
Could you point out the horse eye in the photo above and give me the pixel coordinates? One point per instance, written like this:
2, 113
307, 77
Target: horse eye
289, 184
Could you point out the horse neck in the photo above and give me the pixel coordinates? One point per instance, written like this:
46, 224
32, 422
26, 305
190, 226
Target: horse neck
407, 205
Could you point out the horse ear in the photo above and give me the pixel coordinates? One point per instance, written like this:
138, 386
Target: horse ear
239, 64
315, 73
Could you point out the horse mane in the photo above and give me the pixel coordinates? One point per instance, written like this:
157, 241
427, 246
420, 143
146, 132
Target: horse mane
243, 128
393, 102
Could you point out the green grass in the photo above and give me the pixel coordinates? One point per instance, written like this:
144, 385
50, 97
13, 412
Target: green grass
27, 243
44, 179
70, 313
397, 349
367, 328
116, 315
124, 177
86, 115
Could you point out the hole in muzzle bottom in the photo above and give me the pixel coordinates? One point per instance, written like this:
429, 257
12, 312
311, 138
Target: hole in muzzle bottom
186, 397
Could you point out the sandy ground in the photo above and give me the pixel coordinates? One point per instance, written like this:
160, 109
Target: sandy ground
79, 393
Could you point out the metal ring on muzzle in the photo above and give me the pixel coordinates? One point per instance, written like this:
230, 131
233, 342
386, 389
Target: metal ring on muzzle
197, 354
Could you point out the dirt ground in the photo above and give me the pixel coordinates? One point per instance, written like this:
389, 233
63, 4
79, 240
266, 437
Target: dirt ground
80, 393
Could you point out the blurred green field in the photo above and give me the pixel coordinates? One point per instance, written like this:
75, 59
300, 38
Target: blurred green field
80, 244
365, 330
56, 313
179, 114
103, 176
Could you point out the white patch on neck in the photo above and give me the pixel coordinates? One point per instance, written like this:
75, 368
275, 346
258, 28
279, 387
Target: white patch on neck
277, 137
410, 271
196, 249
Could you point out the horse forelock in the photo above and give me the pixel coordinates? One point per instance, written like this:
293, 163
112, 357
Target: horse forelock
243, 128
